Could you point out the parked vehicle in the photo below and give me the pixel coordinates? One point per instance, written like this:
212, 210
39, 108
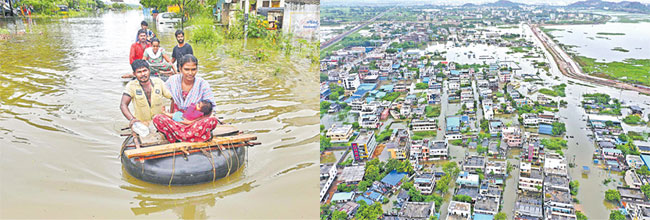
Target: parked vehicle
168, 18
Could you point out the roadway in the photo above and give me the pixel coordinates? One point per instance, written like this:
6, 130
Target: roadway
330, 42
570, 68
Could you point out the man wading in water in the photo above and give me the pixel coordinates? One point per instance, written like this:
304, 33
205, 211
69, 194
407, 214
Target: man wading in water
147, 93
181, 50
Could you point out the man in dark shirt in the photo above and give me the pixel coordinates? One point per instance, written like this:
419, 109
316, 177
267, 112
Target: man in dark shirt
181, 49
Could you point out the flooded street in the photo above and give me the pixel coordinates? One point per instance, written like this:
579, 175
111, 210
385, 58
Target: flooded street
60, 123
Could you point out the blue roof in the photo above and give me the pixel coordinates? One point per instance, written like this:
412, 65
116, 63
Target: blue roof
380, 94
453, 121
393, 178
455, 72
396, 65
545, 129
374, 196
368, 201
483, 217
646, 160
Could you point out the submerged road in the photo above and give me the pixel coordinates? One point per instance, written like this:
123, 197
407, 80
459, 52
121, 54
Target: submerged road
330, 42
570, 68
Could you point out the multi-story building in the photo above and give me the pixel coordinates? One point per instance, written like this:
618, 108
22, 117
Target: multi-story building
340, 133
424, 125
365, 145
530, 178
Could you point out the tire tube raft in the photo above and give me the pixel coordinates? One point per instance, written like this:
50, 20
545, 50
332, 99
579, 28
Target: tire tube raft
185, 170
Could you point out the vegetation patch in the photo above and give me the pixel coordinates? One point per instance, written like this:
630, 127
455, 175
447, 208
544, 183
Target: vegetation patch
620, 49
609, 33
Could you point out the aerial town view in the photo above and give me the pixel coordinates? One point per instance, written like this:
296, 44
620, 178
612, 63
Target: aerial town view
484, 110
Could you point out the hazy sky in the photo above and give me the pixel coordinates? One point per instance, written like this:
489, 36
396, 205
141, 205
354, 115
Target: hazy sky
460, 2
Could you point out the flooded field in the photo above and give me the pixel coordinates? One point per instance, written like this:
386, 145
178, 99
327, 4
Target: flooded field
597, 41
60, 123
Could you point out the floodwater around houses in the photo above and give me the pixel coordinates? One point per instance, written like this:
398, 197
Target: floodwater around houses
60, 123
580, 147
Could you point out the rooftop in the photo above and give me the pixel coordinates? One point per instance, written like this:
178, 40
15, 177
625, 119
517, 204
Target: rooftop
630, 193
352, 174
393, 178
416, 209
486, 204
558, 196
460, 206
342, 196
468, 191
339, 129
475, 161
529, 205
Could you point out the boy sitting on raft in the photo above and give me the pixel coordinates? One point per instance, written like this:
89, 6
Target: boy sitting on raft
194, 112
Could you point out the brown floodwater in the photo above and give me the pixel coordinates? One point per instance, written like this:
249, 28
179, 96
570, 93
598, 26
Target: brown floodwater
60, 123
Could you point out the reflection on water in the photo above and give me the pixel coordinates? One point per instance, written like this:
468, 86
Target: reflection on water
60, 121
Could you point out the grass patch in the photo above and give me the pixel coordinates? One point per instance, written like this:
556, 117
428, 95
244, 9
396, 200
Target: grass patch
630, 70
432, 111
633, 120
419, 135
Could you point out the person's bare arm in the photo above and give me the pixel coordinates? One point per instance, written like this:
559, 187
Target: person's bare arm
124, 107
170, 62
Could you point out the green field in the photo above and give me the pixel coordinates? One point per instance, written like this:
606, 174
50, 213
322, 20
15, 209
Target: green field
630, 70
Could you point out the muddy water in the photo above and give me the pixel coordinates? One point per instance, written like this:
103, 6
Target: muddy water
60, 121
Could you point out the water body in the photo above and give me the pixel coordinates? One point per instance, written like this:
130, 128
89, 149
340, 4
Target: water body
60, 119
598, 46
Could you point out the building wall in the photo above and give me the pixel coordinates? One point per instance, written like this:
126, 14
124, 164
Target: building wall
302, 18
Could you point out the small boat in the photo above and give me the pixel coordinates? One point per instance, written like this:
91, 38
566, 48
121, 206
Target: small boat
153, 159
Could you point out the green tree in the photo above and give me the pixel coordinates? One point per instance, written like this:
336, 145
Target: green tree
580, 216
363, 185
369, 212
643, 171
372, 173
500, 216
616, 215
421, 86
325, 105
612, 195
573, 185
558, 128
355, 125
462, 198
339, 215
334, 96
646, 190
324, 142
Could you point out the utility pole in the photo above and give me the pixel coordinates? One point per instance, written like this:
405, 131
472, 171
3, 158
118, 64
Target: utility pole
183, 15
11, 8
246, 9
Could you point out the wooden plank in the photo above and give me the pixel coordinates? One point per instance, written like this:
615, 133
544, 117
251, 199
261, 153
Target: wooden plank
168, 148
222, 130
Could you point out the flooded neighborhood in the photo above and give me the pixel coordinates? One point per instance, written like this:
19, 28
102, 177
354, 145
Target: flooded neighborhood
486, 111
